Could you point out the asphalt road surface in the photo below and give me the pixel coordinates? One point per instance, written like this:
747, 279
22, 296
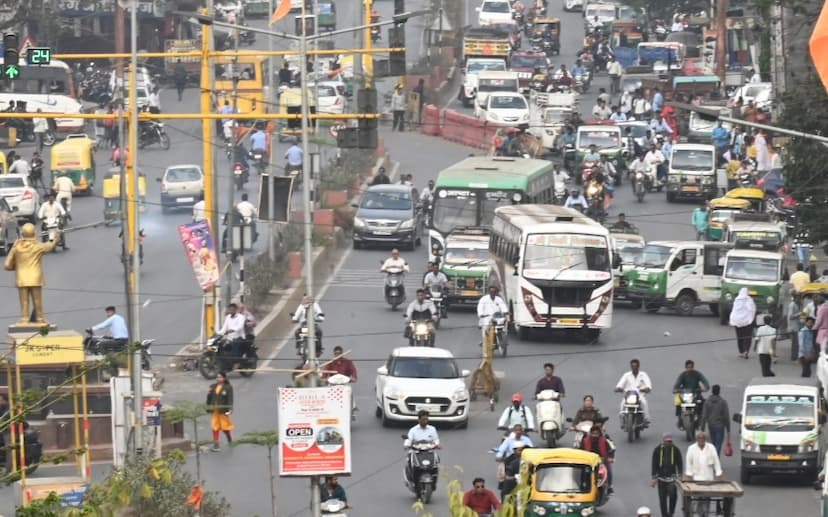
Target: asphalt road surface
359, 320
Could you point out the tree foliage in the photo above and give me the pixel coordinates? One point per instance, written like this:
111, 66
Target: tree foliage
805, 109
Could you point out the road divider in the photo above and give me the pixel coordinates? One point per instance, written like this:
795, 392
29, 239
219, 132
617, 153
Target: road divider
459, 128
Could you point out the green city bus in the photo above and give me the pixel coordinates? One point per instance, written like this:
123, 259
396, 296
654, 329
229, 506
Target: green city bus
467, 193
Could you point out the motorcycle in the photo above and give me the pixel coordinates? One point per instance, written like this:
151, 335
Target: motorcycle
52, 229
394, 286
215, 357
581, 82
102, 345
241, 174
435, 294
691, 404
595, 203
547, 48
259, 161
153, 132
537, 84
501, 342
588, 168
549, 417
632, 417
421, 470
33, 449
561, 191
655, 183
421, 333
343, 380
568, 156
640, 185
302, 341
333, 508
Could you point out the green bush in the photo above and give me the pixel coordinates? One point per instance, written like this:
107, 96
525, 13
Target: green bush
262, 274
339, 173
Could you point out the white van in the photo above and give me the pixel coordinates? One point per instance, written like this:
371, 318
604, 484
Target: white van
780, 427
489, 81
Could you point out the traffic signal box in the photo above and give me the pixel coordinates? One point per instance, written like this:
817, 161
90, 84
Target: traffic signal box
11, 56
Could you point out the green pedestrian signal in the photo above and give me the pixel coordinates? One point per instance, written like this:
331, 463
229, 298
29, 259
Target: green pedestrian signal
12, 71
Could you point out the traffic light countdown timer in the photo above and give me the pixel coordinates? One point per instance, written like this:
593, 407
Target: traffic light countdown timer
11, 56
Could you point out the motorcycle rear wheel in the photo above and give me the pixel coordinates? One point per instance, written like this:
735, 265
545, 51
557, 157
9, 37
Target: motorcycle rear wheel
164, 140
208, 368
249, 363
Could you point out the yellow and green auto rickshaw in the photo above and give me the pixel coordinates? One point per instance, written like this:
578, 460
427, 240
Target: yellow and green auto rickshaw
563, 482
75, 158
756, 196
721, 212
112, 194
290, 102
551, 27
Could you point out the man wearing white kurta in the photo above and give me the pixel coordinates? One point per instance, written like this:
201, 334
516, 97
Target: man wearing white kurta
702, 463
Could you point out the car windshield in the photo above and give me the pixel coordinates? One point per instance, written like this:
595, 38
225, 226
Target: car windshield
513, 102
600, 139
654, 255
387, 201
752, 92
629, 251
752, 269
465, 255
478, 66
495, 7
11, 182
723, 215
692, 160
566, 252
183, 174
779, 413
637, 131
525, 61
326, 91
562, 478
628, 14
425, 368
555, 116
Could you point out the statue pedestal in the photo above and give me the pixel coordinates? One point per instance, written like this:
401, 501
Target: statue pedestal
30, 329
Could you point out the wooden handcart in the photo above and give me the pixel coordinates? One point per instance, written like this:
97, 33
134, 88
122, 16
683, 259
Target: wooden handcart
485, 380
708, 498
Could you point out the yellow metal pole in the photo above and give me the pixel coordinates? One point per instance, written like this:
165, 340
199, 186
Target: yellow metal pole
210, 202
76, 420
21, 413
12, 449
87, 454
230, 53
369, 76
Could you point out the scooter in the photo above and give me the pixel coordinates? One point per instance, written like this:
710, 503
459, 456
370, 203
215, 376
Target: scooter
302, 339
394, 287
343, 380
581, 429
422, 469
216, 358
640, 185
52, 229
333, 508
501, 342
435, 294
632, 416
240, 175
690, 403
258, 157
588, 168
550, 417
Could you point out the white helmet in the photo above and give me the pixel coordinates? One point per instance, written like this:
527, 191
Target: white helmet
643, 511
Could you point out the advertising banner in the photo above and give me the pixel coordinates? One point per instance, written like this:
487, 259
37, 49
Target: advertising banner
201, 252
314, 431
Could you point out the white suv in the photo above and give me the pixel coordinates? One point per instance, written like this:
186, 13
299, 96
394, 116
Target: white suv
492, 12
422, 378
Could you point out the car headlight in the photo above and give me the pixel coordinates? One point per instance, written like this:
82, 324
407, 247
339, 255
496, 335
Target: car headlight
460, 394
770, 300
729, 296
589, 510
407, 224
525, 117
672, 179
359, 223
516, 197
708, 181
393, 392
749, 446
539, 510
808, 446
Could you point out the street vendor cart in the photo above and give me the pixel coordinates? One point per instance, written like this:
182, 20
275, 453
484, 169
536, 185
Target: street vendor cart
708, 498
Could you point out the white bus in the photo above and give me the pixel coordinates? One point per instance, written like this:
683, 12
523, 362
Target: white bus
49, 88
554, 267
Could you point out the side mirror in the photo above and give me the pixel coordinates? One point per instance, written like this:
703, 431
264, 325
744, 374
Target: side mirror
465, 373
737, 417
15, 208
158, 180
382, 370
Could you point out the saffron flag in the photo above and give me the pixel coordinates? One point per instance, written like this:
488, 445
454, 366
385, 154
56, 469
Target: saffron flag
281, 11
819, 46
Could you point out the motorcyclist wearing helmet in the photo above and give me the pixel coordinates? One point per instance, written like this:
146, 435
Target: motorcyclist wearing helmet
517, 413
643, 511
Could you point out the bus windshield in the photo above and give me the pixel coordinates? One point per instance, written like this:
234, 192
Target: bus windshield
752, 269
566, 252
460, 208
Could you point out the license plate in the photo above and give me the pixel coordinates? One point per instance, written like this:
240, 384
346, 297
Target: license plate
431, 408
469, 293
779, 457
382, 233
185, 200
569, 321
617, 281
690, 189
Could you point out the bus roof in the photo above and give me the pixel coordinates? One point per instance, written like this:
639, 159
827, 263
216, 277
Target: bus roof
528, 215
492, 172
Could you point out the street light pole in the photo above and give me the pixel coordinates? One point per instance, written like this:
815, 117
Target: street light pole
271, 182
231, 186
133, 195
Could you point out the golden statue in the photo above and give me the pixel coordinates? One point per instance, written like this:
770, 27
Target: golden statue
26, 259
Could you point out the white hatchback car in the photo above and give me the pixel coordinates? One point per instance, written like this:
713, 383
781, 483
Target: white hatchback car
181, 186
329, 98
493, 12
506, 108
23, 199
417, 378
